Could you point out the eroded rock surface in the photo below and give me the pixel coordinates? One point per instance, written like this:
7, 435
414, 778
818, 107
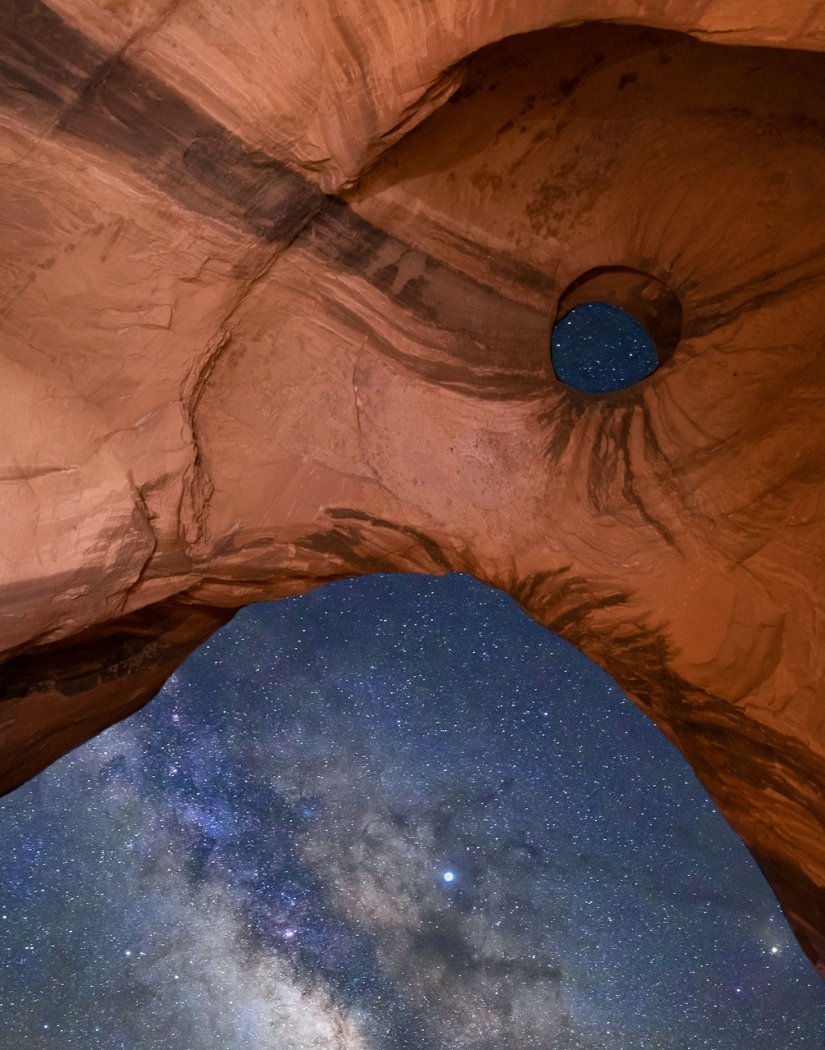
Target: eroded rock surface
277, 293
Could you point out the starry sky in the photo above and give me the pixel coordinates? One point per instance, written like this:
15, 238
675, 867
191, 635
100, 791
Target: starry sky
599, 348
393, 814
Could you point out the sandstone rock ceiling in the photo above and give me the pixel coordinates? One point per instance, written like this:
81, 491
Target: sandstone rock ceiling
277, 294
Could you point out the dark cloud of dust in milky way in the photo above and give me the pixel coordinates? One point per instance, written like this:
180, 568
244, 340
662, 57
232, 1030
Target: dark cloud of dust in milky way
394, 814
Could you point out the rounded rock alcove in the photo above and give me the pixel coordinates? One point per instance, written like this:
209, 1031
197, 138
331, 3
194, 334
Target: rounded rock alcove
614, 327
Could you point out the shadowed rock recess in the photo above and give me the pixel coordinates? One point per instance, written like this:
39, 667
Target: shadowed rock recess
278, 285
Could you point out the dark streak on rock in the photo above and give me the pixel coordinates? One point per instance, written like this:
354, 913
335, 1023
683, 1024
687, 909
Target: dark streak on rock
346, 545
629, 483
416, 535
108, 102
190, 157
508, 269
357, 547
584, 608
737, 301
559, 423
105, 100
491, 330
610, 472
563, 602
534, 587
603, 465
488, 383
638, 654
43, 61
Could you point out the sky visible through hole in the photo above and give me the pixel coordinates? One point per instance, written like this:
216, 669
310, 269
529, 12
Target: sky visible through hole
394, 814
598, 348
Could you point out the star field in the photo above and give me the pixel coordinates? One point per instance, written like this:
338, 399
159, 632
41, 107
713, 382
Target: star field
393, 814
598, 348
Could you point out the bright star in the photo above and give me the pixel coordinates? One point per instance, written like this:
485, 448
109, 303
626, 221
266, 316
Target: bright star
448, 876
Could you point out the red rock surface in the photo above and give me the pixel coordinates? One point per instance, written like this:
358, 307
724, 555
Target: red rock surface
277, 290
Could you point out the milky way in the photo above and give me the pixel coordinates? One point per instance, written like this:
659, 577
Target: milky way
393, 813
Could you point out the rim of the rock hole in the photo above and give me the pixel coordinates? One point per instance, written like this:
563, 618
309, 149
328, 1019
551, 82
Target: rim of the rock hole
643, 306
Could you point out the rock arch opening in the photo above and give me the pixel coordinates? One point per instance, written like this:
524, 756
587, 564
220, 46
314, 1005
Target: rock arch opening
395, 805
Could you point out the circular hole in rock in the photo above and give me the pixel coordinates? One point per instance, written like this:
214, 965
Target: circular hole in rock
599, 348
614, 326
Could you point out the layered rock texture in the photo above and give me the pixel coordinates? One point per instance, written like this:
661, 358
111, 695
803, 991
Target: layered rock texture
278, 282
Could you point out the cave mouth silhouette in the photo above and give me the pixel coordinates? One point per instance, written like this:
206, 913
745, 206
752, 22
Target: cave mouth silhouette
614, 326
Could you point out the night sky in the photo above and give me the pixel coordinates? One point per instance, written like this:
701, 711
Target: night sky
599, 348
394, 813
